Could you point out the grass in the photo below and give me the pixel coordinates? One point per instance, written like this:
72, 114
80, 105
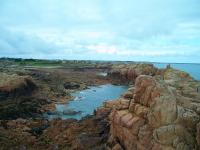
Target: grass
36, 63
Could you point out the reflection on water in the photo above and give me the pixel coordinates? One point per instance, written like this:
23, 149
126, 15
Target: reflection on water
86, 101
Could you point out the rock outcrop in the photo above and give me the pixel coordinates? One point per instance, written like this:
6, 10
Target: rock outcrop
17, 97
128, 73
162, 114
160, 111
12, 86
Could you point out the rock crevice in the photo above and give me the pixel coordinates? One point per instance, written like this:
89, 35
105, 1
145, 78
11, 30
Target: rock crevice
156, 117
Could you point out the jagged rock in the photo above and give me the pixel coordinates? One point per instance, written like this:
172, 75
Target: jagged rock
163, 112
128, 73
167, 135
119, 104
159, 116
175, 75
117, 147
131, 89
128, 95
187, 117
146, 90
145, 136
139, 110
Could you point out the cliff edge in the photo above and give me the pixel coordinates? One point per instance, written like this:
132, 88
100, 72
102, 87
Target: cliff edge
160, 112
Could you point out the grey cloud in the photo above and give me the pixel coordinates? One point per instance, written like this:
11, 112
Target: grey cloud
127, 24
19, 43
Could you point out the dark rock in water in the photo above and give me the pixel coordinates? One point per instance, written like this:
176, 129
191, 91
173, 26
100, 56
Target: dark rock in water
53, 113
71, 85
71, 112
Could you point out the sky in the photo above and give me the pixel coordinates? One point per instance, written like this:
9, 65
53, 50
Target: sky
133, 30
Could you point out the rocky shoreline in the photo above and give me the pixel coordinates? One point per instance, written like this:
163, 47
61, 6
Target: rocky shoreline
160, 111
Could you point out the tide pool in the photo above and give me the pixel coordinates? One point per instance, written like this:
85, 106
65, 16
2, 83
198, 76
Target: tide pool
86, 101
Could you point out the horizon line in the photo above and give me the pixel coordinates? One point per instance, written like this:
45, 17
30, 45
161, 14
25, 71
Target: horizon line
56, 59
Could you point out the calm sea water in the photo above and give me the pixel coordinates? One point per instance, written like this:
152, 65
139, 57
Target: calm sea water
192, 69
86, 101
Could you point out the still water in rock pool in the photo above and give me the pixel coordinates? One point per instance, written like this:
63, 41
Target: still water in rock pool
86, 101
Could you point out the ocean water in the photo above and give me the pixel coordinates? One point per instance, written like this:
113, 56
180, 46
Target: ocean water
192, 69
86, 101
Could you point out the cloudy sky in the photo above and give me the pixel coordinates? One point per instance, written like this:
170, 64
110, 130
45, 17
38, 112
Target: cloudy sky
138, 30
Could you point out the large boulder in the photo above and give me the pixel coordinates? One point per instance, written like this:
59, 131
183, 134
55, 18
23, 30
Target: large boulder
155, 119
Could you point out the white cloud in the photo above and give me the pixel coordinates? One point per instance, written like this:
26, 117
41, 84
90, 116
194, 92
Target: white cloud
149, 30
113, 50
